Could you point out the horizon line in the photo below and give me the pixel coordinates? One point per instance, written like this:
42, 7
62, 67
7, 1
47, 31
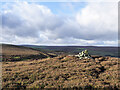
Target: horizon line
62, 45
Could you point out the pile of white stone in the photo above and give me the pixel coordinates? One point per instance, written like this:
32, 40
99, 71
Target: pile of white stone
84, 55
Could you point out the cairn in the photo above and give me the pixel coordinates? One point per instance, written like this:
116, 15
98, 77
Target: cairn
84, 55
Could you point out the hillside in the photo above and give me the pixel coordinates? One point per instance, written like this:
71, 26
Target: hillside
93, 50
62, 72
13, 53
25, 67
17, 50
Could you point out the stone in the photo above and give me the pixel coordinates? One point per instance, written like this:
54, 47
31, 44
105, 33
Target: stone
84, 55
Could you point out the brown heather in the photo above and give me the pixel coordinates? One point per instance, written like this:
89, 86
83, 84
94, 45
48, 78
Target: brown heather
61, 72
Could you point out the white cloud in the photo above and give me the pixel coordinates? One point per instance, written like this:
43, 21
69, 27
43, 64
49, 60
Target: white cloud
31, 23
114, 43
99, 19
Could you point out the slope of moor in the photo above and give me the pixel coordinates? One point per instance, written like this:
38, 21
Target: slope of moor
62, 72
16, 53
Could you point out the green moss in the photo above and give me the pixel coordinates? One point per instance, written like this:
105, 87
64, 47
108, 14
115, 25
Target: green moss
17, 57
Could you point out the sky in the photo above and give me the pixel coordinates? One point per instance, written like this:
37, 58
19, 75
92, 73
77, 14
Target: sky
59, 23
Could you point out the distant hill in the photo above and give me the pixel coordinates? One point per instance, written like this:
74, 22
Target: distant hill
8, 49
93, 50
13, 53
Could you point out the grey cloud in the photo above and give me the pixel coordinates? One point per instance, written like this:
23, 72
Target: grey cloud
50, 28
10, 20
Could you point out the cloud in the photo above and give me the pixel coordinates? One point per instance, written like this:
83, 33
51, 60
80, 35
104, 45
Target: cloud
97, 21
101, 19
31, 23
